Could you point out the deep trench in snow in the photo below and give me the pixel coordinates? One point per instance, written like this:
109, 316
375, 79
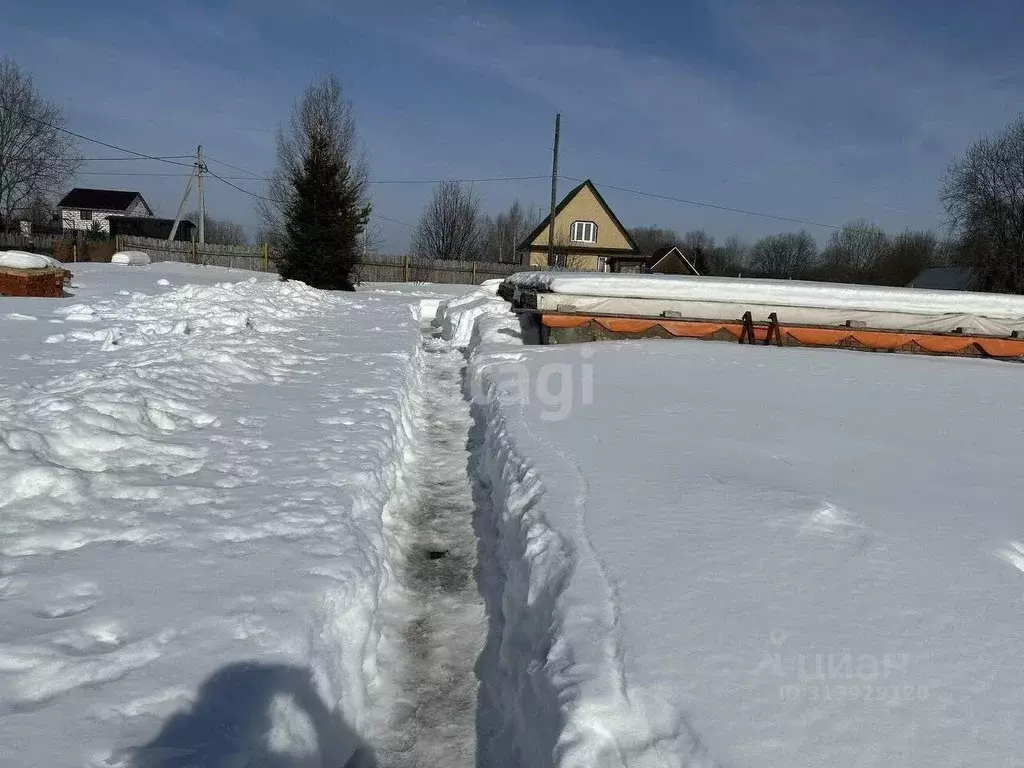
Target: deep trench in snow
433, 722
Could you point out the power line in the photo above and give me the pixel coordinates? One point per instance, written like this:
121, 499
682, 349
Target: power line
164, 157
172, 175
393, 221
458, 181
280, 202
83, 137
129, 173
236, 168
715, 206
482, 180
242, 190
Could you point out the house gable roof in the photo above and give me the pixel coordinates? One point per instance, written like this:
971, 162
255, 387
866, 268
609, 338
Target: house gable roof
101, 199
589, 185
670, 251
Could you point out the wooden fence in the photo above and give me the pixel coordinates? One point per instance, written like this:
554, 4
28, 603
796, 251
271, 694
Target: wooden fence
257, 258
376, 268
67, 248
406, 269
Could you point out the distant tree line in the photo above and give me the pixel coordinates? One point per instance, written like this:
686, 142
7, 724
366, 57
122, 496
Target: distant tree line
858, 252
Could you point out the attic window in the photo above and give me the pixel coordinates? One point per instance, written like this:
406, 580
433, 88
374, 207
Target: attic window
583, 232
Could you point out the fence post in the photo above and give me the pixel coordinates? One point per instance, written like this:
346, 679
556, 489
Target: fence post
266, 257
406, 268
474, 273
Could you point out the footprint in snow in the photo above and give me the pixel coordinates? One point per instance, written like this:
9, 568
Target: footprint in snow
831, 522
71, 602
98, 638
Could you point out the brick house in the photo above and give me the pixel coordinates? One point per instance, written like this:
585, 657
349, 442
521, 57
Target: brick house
84, 209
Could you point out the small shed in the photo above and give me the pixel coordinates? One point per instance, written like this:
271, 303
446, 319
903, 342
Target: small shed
670, 260
944, 279
150, 226
667, 260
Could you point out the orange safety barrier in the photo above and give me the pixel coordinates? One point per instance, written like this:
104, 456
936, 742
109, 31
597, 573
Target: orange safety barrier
812, 336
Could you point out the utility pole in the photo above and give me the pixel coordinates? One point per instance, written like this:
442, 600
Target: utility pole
181, 208
200, 169
554, 192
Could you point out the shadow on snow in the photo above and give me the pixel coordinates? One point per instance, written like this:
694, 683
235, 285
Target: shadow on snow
236, 722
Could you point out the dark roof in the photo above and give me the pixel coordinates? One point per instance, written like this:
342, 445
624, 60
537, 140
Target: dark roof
100, 199
561, 206
149, 226
660, 252
945, 279
664, 251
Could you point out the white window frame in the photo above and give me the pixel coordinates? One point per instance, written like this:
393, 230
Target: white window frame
583, 232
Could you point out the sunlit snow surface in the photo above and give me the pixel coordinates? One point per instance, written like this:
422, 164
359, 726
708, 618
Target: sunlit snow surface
194, 472
746, 556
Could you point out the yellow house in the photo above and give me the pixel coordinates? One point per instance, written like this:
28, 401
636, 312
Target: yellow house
587, 234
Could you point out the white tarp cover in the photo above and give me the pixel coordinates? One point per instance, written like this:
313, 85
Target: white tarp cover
24, 260
775, 293
132, 258
715, 310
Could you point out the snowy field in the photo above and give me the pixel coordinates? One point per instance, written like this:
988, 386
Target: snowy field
243, 522
196, 468
722, 555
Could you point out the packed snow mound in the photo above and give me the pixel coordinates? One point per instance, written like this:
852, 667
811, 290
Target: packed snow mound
131, 258
456, 317
552, 693
783, 293
23, 260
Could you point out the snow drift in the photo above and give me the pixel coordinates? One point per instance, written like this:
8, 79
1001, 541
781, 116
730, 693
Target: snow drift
191, 479
550, 674
23, 260
131, 258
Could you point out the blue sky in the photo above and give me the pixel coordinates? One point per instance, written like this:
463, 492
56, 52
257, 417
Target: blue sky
823, 111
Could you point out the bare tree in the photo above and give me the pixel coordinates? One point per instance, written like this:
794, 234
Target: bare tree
449, 227
502, 234
699, 247
373, 237
323, 114
650, 239
983, 194
220, 231
36, 156
907, 255
786, 255
854, 252
731, 257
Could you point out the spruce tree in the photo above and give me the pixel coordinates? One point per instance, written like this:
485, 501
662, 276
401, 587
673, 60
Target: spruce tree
323, 220
318, 203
